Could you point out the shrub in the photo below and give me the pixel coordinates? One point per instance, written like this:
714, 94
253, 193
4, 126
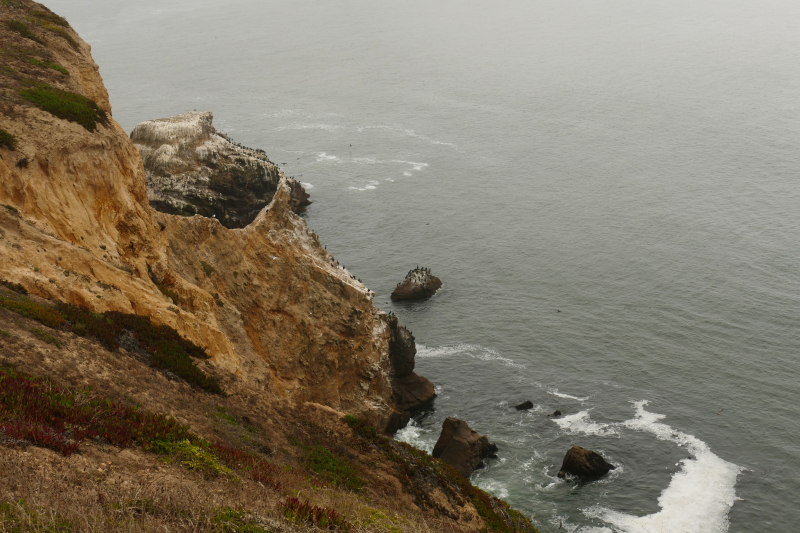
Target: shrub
7, 284
23, 29
229, 520
44, 314
45, 337
195, 457
66, 105
208, 269
48, 64
322, 517
7, 140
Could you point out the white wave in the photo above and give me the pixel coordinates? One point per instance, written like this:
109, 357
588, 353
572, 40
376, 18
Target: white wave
581, 423
493, 487
390, 179
368, 187
300, 126
307, 185
474, 351
414, 164
555, 392
406, 173
416, 436
697, 499
323, 156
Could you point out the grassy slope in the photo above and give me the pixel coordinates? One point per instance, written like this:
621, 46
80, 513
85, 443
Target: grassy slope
234, 461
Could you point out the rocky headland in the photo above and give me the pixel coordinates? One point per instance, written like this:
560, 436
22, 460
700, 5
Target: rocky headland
418, 284
191, 168
256, 359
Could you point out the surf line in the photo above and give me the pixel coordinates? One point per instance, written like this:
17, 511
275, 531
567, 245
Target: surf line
699, 496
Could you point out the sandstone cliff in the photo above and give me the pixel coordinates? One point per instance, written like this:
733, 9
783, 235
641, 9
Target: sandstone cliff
264, 300
191, 168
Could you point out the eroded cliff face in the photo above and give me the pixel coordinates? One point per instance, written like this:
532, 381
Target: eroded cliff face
264, 300
191, 168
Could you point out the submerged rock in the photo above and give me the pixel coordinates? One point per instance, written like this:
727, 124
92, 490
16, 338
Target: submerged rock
462, 447
524, 406
191, 168
584, 463
418, 284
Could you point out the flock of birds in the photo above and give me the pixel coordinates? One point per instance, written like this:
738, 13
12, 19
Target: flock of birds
417, 275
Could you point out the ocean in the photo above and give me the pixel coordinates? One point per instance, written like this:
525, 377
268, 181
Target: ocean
607, 188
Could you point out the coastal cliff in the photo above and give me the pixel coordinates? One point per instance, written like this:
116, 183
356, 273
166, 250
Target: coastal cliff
263, 300
165, 372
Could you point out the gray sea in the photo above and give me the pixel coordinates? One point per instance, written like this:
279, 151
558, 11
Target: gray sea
607, 188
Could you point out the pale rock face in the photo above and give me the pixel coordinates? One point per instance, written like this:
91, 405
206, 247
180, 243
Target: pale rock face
191, 168
264, 300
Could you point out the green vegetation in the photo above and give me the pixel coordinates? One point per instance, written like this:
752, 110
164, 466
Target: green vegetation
195, 457
166, 291
229, 520
5, 333
16, 212
61, 32
165, 346
45, 337
208, 269
23, 29
7, 140
19, 516
51, 415
50, 17
8, 71
334, 469
65, 105
41, 313
48, 64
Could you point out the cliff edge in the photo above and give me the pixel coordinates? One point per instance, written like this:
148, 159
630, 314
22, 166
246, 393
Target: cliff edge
264, 300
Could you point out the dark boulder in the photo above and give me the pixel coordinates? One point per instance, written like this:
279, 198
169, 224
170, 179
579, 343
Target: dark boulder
584, 463
461, 447
524, 406
418, 284
556, 414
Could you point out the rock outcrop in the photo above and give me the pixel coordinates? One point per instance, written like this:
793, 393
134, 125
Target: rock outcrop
418, 284
191, 168
584, 463
461, 447
275, 316
412, 392
524, 406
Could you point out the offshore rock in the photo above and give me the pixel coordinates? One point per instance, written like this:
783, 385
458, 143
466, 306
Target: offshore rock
418, 284
191, 168
524, 406
584, 463
462, 447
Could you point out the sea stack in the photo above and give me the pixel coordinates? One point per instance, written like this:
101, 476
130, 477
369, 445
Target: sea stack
462, 447
419, 284
584, 463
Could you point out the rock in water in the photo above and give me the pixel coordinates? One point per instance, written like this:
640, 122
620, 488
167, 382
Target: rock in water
524, 406
461, 447
191, 169
585, 463
419, 284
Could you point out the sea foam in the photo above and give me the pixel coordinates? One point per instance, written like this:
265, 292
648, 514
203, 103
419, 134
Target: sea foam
697, 499
474, 351
580, 423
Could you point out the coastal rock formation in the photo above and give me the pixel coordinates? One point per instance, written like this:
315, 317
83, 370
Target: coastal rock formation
419, 283
461, 447
524, 406
412, 392
191, 168
265, 301
584, 463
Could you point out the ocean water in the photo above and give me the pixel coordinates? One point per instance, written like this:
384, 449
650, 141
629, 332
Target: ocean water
608, 190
